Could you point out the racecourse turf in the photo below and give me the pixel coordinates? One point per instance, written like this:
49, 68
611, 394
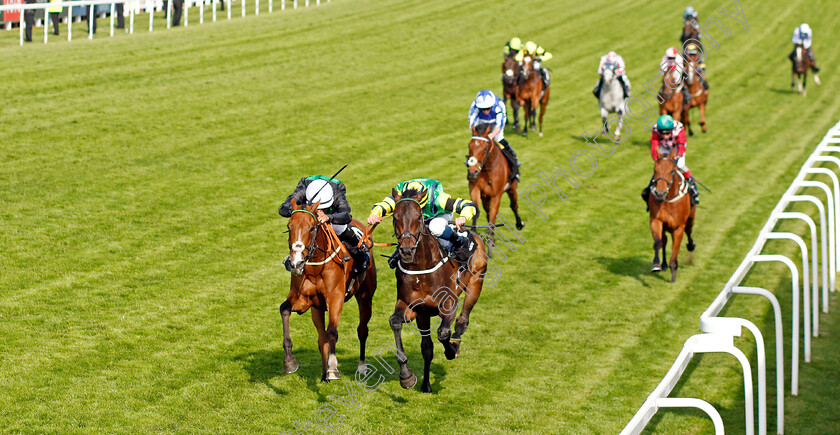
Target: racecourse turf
140, 250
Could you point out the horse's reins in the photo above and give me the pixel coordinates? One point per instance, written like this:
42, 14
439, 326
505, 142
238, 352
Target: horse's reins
312, 248
487, 151
683, 186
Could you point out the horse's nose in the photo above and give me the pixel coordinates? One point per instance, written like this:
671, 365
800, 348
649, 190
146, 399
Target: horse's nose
472, 175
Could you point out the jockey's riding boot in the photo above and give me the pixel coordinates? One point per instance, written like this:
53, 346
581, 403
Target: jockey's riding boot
462, 245
645, 197
597, 90
394, 258
361, 259
513, 161
705, 84
624, 86
545, 78
692, 189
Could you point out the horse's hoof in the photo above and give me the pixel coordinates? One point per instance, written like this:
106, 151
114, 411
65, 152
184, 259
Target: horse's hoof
362, 370
525, 132
656, 268
674, 276
520, 225
333, 375
541, 134
690, 133
409, 382
291, 366
426, 389
691, 246
455, 343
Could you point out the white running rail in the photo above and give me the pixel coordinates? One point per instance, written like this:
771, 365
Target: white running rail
718, 332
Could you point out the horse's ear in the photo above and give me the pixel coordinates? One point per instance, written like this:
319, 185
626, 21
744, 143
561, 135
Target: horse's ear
395, 195
474, 131
673, 154
295, 205
314, 207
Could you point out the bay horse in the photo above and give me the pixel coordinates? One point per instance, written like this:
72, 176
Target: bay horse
531, 93
699, 96
611, 98
510, 84
670, 211
691, 30
488, 173
801, 63
673, 99
429, 283
321, 266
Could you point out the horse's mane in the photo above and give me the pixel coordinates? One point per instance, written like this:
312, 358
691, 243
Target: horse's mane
409, 193
483, 128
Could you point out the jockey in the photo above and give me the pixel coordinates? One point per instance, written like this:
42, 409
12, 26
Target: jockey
803, 35
540, 55
490, 109
512, 47
667, 135
690, 15
614, 59
333, 208
692, 53
437, 207
673, 60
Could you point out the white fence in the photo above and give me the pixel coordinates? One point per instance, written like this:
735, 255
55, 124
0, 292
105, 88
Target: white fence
718, 332
134, 7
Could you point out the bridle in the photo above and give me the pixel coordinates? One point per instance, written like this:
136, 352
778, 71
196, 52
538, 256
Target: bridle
416, 237
471, 160
669, 182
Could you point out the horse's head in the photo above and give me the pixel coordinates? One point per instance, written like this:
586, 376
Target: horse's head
609, 73
673, 78
480, 147
510, 71
527, 66
691, 28
664, 172
303, 230
408, 222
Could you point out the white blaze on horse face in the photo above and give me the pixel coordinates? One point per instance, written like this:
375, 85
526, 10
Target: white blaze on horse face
297, 253
798, 53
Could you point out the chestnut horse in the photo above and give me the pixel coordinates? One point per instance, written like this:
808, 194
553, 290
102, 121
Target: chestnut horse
429, 283
673, 99
531, 93
488, 174
699, 96
320, 270
691, 30
510, 79
670, 211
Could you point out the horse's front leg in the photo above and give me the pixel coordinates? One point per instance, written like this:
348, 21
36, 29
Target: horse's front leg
703, 117
656, 231
402, 315
335, 304
447, 316
514, 203
428, 349
290, 364
675, 249
365, 301
475, 196
604, 114
514, 102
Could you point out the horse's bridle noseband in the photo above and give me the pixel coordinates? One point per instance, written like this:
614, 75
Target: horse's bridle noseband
668, 181
416, 237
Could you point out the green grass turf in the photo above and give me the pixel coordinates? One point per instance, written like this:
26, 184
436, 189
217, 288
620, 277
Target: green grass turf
141, 248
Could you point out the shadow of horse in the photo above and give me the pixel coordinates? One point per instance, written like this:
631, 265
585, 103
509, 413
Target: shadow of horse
633, 267
782, 90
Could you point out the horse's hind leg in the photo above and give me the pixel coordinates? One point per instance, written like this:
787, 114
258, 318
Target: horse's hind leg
543, 103
401, 315
689, 227
290, 364
675, 250
428, 349
323, 342
703, 117
365, 301
514, 204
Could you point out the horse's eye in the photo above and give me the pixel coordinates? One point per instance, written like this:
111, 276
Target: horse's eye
312, 230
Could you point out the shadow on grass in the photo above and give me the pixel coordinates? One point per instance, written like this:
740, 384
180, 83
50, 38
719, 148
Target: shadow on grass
634, 267
783, 90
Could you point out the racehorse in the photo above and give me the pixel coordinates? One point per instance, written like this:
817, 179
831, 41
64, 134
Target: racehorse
488, 174
320, 270
691, 30
611, 98
510, 84
531, 93
699, 97
670, 210
429, 283
801, 65
673, 99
